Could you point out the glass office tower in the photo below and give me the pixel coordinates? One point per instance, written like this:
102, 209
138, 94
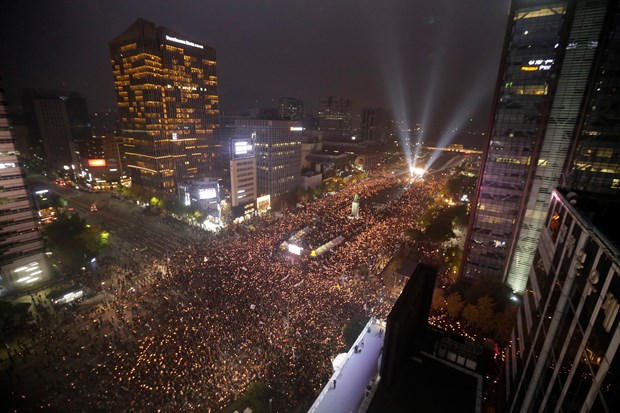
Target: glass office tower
166, 88
551, 51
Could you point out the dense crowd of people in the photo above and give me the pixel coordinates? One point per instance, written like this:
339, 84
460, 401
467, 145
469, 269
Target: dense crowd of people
193, 331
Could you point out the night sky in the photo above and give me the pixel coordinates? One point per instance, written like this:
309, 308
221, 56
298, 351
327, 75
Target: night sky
433, 61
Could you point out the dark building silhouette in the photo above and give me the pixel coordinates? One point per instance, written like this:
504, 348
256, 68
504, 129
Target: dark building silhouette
418, 362
406, 321
59, 127
377, 124
336, 116
290, 108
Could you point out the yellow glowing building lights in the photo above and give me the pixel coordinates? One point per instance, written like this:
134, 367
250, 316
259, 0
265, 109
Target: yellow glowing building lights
167, 99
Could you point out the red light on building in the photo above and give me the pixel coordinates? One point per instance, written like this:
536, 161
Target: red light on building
96, 162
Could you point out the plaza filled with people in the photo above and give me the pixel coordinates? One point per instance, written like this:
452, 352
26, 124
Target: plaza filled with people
193, 331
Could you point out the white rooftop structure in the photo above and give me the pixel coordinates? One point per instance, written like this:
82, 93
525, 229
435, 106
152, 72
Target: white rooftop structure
358, 371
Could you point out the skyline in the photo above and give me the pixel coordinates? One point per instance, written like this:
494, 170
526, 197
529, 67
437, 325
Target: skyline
402, 56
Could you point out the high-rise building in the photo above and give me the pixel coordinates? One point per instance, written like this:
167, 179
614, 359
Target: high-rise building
290, 108
335, 115
555, 55
59, 127
377, 124
563, 353
166, 88
22, 258
277, 147
243, 183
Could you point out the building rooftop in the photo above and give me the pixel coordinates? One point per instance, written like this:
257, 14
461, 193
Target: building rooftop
429, 384
598, 209
355, 374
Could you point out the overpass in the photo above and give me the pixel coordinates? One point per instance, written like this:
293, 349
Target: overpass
454, 148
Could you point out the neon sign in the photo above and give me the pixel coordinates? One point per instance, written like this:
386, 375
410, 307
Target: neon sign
185, 42
538, 64
96, 162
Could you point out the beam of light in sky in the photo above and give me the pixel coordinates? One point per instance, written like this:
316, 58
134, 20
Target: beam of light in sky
393, 77
465, 110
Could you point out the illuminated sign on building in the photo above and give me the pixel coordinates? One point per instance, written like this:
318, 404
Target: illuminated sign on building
538, 64
296, 128
96, 162
185, 42
207, 193
263, 204
242, 148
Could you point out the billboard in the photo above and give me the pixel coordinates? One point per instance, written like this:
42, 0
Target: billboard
263, 204
96, 162
207, 193
242, 148
294, 249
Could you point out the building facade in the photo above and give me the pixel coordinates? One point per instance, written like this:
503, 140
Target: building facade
59, 126
290, 108
377, 124
595, 158
336, 116
22, 257
204, 195
166, 88
277, 146
552, 51
563, 350
243, 185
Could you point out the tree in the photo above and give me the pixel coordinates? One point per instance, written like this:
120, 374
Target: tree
428, 217
352, 329
498, 291
9, 313
504, 323
471, 315
453, 256
73, 241
440, 230
458, 185
438, 299
459, 215
454, 304
256, 396
486, 314
413, 234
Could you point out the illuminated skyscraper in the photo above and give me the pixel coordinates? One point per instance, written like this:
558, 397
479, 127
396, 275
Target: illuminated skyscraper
555, 55
166, 88
22, 258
